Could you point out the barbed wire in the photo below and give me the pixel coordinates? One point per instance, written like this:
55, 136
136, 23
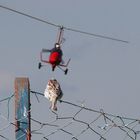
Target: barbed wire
110, 121
8, 99
101, 124
13, 123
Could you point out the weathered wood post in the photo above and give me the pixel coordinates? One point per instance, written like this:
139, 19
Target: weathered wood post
22, 109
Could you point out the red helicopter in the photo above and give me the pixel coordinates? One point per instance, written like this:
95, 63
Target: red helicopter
55, 57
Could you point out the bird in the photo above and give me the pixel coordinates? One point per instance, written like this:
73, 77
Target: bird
53, 93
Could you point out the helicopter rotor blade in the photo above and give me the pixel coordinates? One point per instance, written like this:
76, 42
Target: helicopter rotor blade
66, 28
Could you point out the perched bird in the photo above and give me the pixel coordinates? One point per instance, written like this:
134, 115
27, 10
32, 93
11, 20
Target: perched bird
53, 93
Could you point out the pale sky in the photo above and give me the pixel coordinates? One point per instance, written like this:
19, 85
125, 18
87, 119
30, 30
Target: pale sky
105, 74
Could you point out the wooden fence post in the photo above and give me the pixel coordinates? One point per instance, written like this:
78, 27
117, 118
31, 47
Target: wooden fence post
22, 109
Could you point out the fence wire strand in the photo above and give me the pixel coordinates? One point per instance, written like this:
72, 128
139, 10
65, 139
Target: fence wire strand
101, 125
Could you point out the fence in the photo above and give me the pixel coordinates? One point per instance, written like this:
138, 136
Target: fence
70, 122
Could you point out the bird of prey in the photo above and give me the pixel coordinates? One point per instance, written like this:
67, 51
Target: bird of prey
53, 93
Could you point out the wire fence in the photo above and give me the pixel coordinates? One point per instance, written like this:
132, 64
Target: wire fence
72, 122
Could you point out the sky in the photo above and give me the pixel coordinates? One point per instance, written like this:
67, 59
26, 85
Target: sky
103, 74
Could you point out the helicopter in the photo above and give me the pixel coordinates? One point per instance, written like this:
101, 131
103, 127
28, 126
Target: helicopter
55, 57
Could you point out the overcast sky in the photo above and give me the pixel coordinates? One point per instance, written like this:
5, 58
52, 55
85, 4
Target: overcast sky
102, 73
